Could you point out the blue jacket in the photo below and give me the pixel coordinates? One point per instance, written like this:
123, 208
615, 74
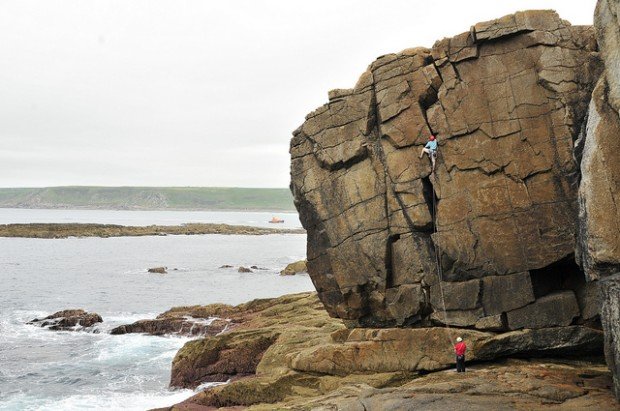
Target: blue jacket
432, 145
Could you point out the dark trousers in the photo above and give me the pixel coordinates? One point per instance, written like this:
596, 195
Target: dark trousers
460, 363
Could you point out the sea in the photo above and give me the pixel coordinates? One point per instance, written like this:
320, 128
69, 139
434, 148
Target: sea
71, 370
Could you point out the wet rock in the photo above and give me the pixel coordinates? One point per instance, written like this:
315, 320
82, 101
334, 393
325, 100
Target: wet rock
295, 268
557, 309
68, 320
226, 266
244, 270
610, 317
179, 326
158, 270
219, 358
506, 100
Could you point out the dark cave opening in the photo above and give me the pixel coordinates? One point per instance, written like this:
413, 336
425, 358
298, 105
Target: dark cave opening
561, 275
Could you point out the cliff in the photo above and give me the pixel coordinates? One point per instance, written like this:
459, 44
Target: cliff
598, 246
496, 221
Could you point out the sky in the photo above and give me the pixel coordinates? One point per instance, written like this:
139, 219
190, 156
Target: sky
194, 93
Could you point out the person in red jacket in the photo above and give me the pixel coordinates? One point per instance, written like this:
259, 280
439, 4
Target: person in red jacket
459, 348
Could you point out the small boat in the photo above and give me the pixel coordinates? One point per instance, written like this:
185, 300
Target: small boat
276, 220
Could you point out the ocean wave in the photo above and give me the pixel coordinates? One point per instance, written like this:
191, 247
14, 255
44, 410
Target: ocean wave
138, 401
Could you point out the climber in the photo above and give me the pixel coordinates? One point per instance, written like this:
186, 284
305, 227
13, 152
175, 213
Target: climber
431, 149
459, 349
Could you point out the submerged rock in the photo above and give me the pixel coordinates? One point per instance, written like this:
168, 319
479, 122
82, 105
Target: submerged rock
505, 99
295, 268
158, 270
68, 320
244, 270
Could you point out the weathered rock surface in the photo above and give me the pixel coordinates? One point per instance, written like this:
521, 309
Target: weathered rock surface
158, 270
506, 101
385, 350
610, 316
510, 385
557, 309
188, 326
68, 320
295, 268
294, 321
573, 341
287, 353
599, 190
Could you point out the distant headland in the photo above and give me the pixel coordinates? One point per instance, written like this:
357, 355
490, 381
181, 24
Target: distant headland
149, 198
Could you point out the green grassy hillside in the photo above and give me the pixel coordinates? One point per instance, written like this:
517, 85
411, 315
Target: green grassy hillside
149, 198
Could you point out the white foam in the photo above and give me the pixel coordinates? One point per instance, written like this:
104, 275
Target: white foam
137, 401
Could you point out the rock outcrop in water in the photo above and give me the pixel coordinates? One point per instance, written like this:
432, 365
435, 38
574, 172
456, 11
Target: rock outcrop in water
184, 325
62, 230
68, 320
297, 267
506, 100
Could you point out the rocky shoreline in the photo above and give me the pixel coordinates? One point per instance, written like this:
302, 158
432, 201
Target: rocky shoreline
61, 230
287, 353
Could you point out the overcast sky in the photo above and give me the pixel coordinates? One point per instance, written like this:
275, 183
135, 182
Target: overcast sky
194, 93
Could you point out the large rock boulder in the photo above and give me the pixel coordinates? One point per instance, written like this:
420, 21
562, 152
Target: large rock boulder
506, 101
295, 268
68, 320
599, 192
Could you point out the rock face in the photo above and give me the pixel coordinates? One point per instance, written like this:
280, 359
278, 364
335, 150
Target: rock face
506, 100
599, 191
68, 320
610, 316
